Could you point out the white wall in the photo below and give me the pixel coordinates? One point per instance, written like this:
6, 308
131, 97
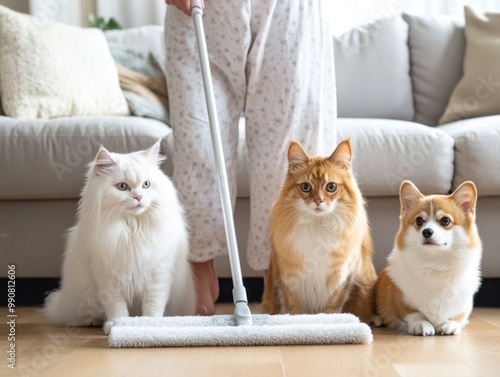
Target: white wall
128, 13
68, 11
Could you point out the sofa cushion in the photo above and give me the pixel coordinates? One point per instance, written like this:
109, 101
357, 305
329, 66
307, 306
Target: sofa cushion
373, 71
386, 152
149, 38
47, 159
52, 69
477, 93
477, 153
142, 81
437, 46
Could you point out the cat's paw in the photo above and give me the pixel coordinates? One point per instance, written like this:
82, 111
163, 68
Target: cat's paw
423, 328
107, 327
156, 313
449, 328
376, 321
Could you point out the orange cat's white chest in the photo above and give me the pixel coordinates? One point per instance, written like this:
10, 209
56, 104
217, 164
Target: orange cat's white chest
315, 246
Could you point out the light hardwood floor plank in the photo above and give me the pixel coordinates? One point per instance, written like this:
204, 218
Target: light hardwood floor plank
490, 315
46, 350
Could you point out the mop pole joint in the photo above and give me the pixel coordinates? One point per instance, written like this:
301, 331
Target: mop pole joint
196, 7
242, 314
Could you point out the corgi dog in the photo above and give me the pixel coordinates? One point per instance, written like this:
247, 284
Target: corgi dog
433, 270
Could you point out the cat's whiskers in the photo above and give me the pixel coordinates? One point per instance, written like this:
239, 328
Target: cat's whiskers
292, 213
116, 211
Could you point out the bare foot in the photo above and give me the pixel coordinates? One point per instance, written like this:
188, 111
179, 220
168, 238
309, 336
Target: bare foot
207, 287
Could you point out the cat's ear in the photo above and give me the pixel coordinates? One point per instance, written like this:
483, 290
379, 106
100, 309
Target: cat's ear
153, 154
103, 161
342, 155
408, 196
296, 155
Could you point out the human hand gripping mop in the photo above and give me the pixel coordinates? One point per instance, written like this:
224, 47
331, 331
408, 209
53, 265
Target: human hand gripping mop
242, 328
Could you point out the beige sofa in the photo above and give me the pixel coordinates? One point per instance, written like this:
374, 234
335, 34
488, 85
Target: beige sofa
394, 80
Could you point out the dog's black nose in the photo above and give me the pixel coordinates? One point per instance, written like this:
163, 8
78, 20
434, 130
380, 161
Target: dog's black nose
427, 232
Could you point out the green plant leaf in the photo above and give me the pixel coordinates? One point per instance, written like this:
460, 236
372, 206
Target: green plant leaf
101, 23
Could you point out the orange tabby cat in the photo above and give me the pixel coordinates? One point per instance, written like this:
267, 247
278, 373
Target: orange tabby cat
321, 257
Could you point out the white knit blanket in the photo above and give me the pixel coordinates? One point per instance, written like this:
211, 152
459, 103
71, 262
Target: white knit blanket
222, 331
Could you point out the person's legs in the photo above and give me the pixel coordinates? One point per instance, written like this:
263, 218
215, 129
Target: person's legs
291, 95
227, 33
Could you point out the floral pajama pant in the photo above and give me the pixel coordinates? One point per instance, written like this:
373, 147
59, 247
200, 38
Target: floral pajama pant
271, 60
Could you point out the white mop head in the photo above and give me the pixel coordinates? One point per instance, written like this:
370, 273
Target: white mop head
222, 331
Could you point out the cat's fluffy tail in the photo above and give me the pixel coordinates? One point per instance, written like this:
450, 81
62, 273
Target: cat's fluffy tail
65, 310
51, 307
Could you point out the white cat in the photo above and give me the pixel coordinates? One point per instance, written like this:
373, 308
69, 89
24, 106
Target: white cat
127, 253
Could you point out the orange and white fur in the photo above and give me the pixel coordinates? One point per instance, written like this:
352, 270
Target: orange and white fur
321, 257
434, 268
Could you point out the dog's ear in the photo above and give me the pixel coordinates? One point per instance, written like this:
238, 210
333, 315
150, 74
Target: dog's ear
408, 196
466, 196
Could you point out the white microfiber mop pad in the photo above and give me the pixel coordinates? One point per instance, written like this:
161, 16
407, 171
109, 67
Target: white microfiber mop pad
222, 331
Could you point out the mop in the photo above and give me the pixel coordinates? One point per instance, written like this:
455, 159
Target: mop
242, 328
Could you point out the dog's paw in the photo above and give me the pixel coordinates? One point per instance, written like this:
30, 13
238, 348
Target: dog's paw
449, 328
107, 327
423, 328
376, 321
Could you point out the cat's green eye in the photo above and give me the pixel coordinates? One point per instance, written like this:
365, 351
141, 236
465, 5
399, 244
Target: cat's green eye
331, 187
122, 186
306, 187
146, 184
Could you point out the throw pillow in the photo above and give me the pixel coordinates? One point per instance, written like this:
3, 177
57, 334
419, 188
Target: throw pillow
373, 71
142, 107
437, 45
478, 91
53, 70
138, 59
142, 76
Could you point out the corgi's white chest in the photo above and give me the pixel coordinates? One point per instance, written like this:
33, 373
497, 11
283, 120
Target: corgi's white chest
317, 247
439, 295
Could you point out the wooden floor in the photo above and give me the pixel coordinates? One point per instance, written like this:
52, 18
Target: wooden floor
46, 350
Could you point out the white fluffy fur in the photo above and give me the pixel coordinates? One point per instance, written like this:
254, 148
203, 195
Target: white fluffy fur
125, 256
438, 280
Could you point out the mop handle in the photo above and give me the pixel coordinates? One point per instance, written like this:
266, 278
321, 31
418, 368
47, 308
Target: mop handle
239, 292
